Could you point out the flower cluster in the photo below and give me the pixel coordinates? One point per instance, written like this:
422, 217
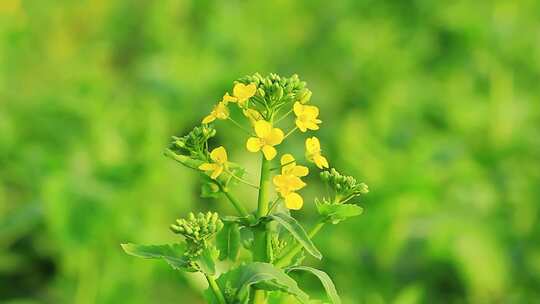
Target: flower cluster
344, 187
261, 100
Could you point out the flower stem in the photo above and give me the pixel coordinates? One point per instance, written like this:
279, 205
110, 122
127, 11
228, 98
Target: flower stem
215, 288
239, 126
290, 132
261, 244
286, 258
241, 180
286, 114
237, 205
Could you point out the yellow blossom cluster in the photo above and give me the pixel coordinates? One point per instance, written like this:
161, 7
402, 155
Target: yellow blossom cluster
265, 137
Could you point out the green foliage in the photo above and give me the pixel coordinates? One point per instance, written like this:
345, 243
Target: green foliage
174, 255
335, 213
296, 230
239, 282
228, 242
325, 280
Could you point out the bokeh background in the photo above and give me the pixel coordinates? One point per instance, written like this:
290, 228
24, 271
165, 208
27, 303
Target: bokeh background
436, 106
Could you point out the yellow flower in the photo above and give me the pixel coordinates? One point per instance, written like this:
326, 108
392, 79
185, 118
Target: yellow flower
219, 157
289, 167
289, 181
252, 115
306, 117
228, 98
313, 152
220, 111
244, 92
286, 185
267, 138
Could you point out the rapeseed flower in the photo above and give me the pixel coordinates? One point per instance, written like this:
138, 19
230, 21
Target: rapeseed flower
288, 182
219, 164
267, 138
220, 111
306, 117
313, 153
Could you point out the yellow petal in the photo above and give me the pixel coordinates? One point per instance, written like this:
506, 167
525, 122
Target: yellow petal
301, 125
269, 152
207, 167
311, 111
252, 115
311, 125
300, 171
221, 110
320, 161
262, 128
209, 118
298, 108
243, 91
295, 183
287, 159
228, 98
275, 137
294, 201
253, 144
216, 172
313, 145
219, 155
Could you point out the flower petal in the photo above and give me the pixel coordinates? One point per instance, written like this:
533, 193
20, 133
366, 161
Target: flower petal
219, 155
207, 167
313, 145
269, 152
275, 137
228, 98
311, 111
209, 118
298, 108
262, 128
301, 125
253, 144
320, 161
216, 172
243, 91
300, 171
294, 201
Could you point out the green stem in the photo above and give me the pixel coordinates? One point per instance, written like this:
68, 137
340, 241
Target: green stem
240, 126
215, 288
237, 205
286, 258
290, 132
261, 242
241, 180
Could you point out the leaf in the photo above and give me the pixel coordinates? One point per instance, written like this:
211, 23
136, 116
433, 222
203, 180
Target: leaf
325, 280
336, 213
206, 260
172, 254
263, 276
228, 241
296, 230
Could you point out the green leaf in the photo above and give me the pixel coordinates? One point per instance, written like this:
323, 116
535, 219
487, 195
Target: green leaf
296, 230
228, 241
238, 282
172, 254
325, 280
336, 213
206, 260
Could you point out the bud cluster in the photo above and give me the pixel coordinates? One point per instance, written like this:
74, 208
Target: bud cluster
194, 144
273, 91
197, 229
345, 187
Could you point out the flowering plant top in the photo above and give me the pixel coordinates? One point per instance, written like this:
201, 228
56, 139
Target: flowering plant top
263, 246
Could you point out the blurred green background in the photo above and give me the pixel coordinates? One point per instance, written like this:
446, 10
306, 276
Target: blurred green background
436, 106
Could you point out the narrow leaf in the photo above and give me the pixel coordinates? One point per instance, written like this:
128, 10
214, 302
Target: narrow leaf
289, 223
172, 254
325, 280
